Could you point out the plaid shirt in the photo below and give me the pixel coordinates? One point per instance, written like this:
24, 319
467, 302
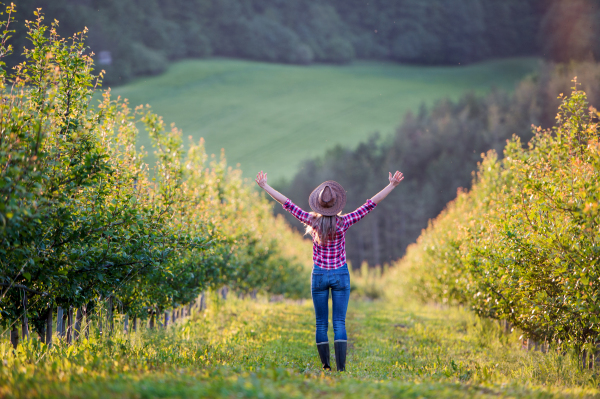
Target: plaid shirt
333, 255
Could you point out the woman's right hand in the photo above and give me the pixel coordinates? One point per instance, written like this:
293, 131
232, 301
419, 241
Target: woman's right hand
261, 179
396, 179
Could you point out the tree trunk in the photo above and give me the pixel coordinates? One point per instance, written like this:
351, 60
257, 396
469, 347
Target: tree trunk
189, 309
166, 319
375, 234
49, 326
126, 323
14, 337
253, 293
152, 321
224, 292
25, 320
203, 302
360, 247
70, 326
78, 318
174, 318
86, 322
59, 321
135, 322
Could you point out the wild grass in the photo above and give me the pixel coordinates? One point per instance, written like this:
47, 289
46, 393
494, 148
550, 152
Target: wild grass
271, 117
258, 349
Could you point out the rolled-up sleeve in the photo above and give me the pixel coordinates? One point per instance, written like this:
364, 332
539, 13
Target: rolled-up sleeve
297, 212
358, 214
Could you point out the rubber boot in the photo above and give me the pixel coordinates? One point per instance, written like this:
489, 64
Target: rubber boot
324, 355
340, 355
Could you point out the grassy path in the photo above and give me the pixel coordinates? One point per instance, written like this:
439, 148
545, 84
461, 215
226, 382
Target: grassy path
263, 350
273, 116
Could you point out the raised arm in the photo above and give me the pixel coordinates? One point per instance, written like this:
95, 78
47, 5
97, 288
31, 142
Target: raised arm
297, 212
261, 180
394, 181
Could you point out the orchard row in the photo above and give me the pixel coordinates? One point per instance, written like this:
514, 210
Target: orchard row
85, 221
524, 244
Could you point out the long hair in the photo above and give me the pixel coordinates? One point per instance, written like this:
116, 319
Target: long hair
322, 228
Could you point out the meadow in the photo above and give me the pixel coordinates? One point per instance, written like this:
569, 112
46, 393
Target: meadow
259, 349
272, 117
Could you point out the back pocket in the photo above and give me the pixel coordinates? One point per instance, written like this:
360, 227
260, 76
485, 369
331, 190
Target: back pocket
344, 280
317, 280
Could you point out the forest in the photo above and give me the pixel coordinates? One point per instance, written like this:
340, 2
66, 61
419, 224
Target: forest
133, 37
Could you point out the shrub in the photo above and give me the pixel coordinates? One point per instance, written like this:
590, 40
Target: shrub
146, 61
339, 50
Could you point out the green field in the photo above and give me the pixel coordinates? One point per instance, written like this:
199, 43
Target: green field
257, 349
272, 116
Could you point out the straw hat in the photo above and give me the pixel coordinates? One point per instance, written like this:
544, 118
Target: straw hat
328, 198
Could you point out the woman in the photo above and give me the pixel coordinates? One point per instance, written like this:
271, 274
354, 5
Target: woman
328, 227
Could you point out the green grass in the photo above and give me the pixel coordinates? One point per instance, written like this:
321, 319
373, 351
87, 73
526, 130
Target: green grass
271, 116
246, 349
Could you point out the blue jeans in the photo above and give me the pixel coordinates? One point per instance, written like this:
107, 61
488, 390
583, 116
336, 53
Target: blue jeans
338, 281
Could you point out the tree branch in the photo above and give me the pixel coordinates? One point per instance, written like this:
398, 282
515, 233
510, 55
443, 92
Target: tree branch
23, 288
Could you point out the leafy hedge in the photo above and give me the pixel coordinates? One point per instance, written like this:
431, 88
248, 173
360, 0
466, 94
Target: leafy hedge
85, 221
523, 245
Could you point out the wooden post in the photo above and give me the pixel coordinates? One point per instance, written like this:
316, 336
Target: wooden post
49, 326
25, 321
78, 318
70, 326
109, 314
64, 323
59, 321
126, 323
14, 337
100, 317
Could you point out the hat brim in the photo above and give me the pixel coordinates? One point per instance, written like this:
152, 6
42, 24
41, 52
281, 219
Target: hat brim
340, 202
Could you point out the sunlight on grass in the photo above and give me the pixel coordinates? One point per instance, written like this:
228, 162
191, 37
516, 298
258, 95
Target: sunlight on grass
261, 349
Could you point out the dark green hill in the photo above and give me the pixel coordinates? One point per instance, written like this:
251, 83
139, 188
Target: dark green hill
138, 37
